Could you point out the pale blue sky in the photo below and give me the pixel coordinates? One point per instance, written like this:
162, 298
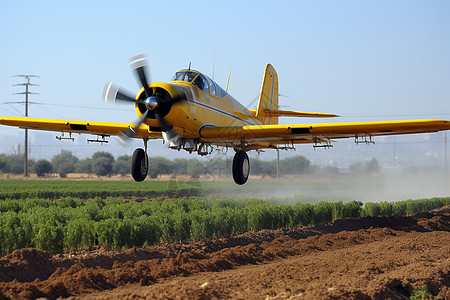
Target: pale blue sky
364, 60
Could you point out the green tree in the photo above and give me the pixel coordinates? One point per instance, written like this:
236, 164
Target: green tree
218, 167
64, 163
122, 165
14, 163
295, 165
180, 166
3, 160
195, 168
270, 168
43, 167
159, 166
257, 166
102, 163
84, 166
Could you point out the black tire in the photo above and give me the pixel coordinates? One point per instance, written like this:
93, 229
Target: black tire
139, 165
241, 167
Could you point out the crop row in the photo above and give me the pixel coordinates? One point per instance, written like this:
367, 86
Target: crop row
55, 189
85, 189
70, 223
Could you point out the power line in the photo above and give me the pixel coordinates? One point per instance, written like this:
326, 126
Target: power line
61, 105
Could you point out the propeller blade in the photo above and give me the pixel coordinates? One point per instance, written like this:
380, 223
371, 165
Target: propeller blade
159, 107
112, 94
131, 131
165, 126
139, 64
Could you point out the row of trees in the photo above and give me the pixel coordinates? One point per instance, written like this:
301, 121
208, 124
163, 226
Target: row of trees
104, 164
101, 163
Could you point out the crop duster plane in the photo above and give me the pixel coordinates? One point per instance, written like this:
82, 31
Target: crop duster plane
194, 113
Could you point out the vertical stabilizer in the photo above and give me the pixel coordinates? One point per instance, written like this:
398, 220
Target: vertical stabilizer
268, 99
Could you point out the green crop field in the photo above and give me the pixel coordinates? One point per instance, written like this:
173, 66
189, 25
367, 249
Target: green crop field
54, 189
306, 191
67, 223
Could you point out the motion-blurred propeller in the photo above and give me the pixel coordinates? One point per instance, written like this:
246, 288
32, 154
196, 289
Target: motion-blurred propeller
113, 94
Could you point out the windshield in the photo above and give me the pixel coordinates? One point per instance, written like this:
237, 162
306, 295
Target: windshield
201, 81
187, 76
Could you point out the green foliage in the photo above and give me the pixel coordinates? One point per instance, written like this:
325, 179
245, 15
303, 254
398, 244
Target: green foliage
422, 294
399, 208
195, 169
295, 165
337, 210
54, 189
323, 212
352, 209
84, 166
122, 165
64, 163
369, 166
385, 208
180, 166
218, 167
43, 167
3, 161
69, 223
102, 163
14, 163
303, 214
371, 210
160, 166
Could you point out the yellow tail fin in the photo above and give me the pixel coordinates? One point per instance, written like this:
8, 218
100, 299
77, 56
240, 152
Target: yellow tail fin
268, 99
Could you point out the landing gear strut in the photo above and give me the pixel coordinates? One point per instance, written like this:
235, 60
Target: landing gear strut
241, 167
139, 165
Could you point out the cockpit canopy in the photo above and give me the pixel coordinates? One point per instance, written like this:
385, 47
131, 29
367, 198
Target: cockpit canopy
201, 81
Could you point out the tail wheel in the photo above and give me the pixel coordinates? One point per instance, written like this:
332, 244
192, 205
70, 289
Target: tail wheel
241, 167
139, 165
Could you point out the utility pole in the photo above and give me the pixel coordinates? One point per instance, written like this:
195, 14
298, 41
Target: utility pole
26, 93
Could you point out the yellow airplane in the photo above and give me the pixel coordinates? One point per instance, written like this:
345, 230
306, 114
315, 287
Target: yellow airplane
194, 113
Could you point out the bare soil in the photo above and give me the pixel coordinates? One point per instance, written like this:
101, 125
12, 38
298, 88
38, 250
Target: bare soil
371, 258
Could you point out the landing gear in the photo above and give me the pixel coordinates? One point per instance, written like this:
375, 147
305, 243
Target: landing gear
139, 165
241, 167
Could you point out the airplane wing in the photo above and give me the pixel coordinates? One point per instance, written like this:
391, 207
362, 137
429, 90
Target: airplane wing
315, 133
100, 128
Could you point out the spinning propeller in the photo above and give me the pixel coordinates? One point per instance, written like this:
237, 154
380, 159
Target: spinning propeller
154, 104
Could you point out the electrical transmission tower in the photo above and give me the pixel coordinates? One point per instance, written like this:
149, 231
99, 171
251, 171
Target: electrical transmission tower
26, 93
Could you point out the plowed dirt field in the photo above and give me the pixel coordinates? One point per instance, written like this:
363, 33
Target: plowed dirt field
371, 258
